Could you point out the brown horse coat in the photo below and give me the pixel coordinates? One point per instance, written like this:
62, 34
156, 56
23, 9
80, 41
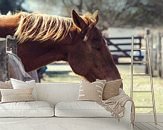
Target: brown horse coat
44, 39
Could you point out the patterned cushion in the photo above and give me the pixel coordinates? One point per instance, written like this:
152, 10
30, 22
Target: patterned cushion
111, 89
91, 91
16, 95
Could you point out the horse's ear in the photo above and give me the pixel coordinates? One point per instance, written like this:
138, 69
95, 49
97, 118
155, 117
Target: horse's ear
78, 21
95, 16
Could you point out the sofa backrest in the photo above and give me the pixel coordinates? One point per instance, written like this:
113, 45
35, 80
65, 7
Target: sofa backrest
57, 92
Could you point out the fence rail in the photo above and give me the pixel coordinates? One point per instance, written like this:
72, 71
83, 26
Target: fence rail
120, 47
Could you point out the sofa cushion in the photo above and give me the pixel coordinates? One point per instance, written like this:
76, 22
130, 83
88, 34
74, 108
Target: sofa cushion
5, 85
18, 84
111, 88
91, 91
16, 95
26, 109
80, 109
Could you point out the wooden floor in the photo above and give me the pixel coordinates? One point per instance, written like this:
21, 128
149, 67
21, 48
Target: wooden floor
148, 126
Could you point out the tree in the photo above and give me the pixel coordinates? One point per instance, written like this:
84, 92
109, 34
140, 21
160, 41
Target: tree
10, 5
115, 13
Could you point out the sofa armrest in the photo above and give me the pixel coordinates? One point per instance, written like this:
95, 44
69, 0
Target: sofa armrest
127, 112
128, 106
126, 120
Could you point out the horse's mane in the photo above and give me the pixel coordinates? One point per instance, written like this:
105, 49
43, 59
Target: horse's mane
41, 27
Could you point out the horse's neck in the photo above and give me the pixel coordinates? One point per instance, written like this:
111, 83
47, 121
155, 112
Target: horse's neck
8, 24
35, 55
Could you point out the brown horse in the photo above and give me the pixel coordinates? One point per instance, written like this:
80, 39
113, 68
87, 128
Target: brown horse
44, 39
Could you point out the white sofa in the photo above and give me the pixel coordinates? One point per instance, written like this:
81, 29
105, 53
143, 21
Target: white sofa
63, 113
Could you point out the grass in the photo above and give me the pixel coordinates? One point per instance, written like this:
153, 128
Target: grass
63, 73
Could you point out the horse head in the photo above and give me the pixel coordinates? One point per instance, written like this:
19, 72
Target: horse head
44, 39
89, 55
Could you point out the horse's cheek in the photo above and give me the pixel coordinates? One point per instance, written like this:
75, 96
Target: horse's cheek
78, 65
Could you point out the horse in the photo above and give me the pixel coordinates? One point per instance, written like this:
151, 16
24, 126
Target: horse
43, 39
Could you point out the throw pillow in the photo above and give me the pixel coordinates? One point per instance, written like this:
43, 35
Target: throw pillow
5, 85
16, 95
91, 91
111, 89
18, 84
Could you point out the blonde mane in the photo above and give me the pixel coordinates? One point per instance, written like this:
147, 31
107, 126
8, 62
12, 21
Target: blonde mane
41, 27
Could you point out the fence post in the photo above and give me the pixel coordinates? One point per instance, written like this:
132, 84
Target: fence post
11, 44
152, 53
147, 35
160, 56
11, 47
3, 60
140, 46
157, 53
